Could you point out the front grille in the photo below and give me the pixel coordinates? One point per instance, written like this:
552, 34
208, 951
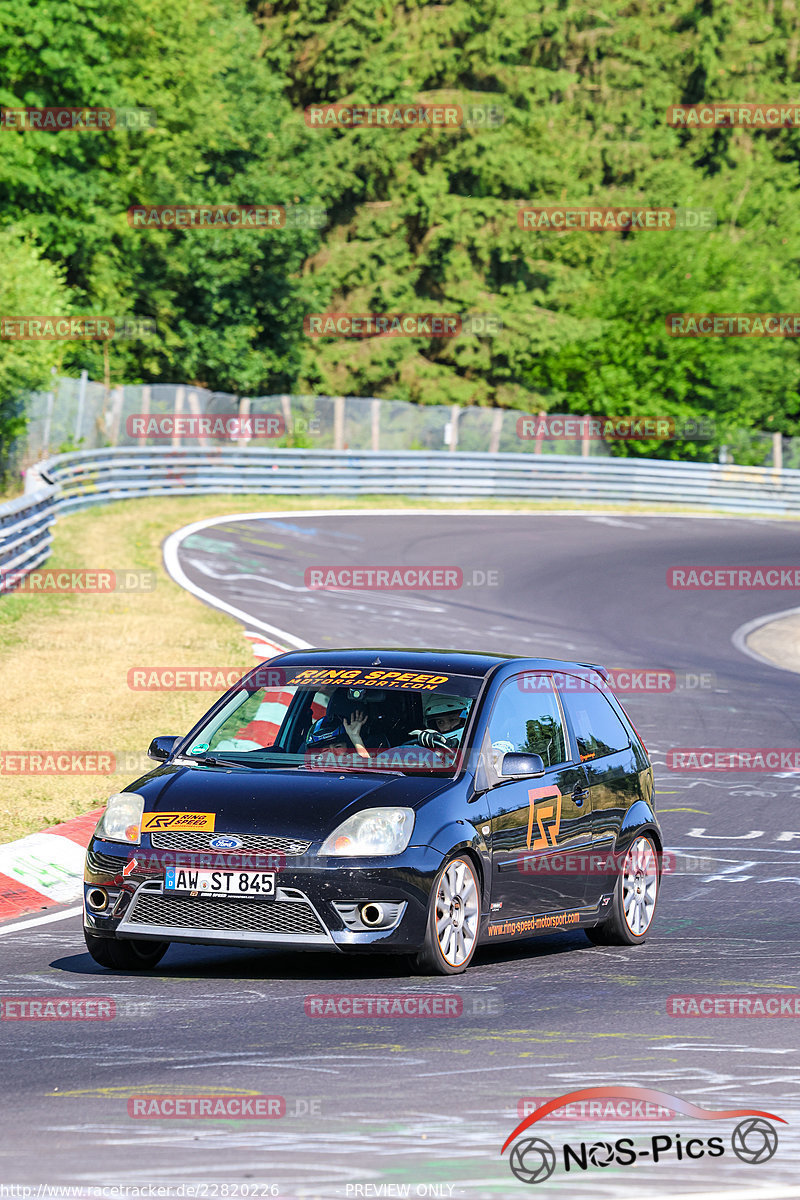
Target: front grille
251, 843
105, 864
212, 913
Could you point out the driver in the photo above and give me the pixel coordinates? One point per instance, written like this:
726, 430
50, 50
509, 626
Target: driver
448, 716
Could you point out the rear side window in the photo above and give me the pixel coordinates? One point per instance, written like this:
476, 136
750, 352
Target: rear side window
598, 729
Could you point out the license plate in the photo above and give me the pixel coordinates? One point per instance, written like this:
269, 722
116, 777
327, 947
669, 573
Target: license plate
220, 883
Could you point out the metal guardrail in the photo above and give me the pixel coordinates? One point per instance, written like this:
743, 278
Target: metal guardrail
93, 477
25, 532
84, 478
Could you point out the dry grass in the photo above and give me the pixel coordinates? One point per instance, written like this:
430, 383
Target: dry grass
64, 660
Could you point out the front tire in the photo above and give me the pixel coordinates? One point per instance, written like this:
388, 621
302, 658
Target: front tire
635, 897
454, 914
125, 954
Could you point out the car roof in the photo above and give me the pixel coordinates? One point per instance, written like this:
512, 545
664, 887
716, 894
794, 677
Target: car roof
454, 662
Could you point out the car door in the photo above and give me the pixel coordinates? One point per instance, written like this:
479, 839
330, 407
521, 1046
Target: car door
536, 822
604, 746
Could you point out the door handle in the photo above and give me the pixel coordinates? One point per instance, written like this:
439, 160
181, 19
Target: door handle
579, 795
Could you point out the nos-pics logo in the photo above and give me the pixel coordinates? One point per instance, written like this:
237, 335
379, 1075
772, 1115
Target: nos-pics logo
754, 1139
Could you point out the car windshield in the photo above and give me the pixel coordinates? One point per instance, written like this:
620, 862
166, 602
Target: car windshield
341, 719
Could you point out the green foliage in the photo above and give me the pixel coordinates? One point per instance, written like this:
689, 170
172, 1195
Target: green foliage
227, 304
426, 220
545, 738
420, 220
29, 285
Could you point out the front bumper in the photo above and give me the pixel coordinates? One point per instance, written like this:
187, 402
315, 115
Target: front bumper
313, 908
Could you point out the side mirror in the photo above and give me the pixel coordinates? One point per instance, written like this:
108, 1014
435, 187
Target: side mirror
521, 764
161, 747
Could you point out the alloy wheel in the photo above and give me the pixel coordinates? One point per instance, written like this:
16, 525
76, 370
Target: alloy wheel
639, 886
457, 912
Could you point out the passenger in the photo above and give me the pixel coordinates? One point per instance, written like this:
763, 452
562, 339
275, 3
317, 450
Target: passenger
332, 735
371, 704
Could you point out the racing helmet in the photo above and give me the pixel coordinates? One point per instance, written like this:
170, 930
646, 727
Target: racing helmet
326, 732
441, 706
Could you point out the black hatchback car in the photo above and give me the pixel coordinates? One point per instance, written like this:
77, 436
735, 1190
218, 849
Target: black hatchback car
409, 801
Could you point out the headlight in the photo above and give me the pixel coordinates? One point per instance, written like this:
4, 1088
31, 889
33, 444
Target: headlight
122, 820
374, 831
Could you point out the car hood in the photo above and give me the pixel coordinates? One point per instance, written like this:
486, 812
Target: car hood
277, 803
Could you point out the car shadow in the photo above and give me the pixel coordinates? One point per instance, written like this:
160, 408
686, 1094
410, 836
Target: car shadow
222, 962
532, 948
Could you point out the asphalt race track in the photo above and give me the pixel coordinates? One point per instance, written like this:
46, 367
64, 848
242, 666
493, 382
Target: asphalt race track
375, 1104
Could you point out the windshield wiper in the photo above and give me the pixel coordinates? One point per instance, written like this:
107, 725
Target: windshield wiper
337, 770
212, 761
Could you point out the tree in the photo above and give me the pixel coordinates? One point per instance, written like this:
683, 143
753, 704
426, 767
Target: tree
29, 285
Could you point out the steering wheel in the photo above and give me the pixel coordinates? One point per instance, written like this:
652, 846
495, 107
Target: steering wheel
436, 741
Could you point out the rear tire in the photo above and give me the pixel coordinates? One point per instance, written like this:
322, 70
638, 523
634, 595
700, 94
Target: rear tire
125, 954
454, 914
635, 897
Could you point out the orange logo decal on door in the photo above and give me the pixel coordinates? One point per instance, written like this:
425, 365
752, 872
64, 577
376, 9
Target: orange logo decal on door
545, 805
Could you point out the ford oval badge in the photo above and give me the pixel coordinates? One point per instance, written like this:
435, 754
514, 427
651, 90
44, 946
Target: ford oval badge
225, 843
